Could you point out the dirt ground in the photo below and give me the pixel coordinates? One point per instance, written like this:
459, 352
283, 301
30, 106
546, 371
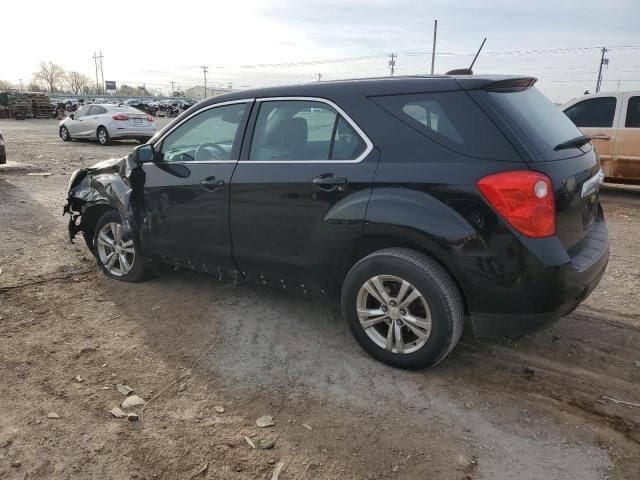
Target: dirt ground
210, 359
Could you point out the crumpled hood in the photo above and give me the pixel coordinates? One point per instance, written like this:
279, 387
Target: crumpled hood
122, 165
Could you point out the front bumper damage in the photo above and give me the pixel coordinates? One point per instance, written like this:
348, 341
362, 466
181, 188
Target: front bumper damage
115, 183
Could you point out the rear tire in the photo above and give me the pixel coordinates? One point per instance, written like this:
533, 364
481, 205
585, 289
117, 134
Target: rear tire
103, 136
417, 318
119, 257
64, 134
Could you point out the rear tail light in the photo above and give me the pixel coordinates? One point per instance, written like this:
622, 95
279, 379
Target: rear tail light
149, 118
121, 117
524, 199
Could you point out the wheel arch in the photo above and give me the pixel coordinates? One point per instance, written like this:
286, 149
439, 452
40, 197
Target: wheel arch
102, 126
90, 217
366, 244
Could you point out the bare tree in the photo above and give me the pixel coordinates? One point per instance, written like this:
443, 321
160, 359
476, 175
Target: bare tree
77, 82
4, 85
51, 74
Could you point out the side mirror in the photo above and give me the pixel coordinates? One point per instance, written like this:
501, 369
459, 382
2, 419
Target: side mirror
144, 153
72, 116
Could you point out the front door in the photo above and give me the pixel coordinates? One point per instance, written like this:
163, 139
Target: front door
299, 193
597, 118
186, 189
627, 148
77, 126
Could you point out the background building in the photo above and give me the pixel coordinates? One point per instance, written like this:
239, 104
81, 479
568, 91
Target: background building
198, 92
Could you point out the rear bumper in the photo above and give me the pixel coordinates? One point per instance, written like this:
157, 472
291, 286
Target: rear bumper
116, 130
577, 286
549, 293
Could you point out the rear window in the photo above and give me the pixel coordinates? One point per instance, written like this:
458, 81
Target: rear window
453, 120
123, 109
541, 122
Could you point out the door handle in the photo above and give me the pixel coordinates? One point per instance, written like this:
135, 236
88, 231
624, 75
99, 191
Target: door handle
600, 136
211, 183
328, 182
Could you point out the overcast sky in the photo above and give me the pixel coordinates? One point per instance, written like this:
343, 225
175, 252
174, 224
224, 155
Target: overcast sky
155, 42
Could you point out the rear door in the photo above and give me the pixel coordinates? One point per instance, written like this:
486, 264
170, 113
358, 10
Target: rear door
627, 147
186, 189
597, 117
300, 191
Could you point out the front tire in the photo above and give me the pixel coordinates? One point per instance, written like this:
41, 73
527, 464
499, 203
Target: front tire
119, 257
64, 134
103, 136
403, 308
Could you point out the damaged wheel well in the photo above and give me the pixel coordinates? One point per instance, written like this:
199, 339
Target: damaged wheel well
89, 220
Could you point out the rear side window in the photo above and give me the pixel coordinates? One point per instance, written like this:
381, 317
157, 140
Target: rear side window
633, 113
593, 112
453, 120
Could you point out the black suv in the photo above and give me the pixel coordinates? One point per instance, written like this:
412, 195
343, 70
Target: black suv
419, 200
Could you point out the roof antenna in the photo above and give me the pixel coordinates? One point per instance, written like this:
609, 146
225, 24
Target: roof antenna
468, 71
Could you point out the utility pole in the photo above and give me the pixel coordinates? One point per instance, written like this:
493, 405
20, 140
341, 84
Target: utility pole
95, 63
433, 50
172, 89
205, 69
20, 84
319, 77
101, 73
619, 84
97, 60
603, 61
392, 63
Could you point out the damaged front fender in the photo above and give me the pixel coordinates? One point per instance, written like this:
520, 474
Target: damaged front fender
117, 184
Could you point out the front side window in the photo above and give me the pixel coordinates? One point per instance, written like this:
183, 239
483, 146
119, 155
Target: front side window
593, 112
83, 112
633, 113
303, 130
210, 135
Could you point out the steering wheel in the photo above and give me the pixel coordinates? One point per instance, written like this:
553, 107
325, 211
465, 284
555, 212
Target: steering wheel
215, 146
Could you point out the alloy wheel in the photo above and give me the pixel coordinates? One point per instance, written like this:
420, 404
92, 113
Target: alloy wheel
394, 314
116, 255
102, 136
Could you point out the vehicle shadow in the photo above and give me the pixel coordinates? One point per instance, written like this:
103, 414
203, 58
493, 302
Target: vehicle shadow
276, 338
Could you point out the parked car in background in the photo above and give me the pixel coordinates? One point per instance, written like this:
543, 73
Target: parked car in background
418, 201
104, 122
3, 151
612, 120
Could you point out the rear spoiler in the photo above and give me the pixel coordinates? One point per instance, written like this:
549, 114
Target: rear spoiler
511, 85
504, 84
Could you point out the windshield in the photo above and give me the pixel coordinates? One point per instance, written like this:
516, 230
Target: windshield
541, 121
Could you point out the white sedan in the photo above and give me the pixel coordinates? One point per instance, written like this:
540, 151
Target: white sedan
106, 122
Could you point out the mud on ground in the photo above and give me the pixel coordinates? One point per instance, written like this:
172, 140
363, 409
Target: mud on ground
537, 408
